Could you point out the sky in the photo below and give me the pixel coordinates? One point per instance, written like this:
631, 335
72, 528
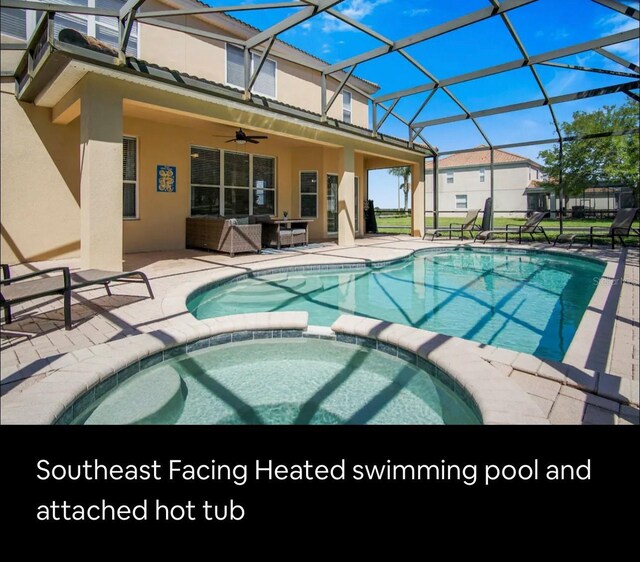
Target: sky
543, 25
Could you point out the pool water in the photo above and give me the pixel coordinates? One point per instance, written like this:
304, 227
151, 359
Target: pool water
282, 381
526, 301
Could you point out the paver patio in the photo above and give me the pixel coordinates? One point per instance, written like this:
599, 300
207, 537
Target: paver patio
596, 383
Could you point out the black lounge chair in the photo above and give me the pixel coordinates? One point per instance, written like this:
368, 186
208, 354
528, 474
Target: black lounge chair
530, 227
468, 225
621, 226
14, 290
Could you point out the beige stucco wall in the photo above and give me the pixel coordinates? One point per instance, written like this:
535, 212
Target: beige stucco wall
161, 221
41, 162
206, 58
40, 179
510, 182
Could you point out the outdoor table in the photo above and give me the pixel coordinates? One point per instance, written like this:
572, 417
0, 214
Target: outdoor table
289, 231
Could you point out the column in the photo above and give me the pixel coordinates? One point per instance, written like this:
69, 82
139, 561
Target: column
417, 199
346, 195
101, 176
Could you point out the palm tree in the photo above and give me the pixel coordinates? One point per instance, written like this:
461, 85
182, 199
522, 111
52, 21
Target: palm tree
403, 172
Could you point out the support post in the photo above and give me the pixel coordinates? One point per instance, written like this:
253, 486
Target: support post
417, 199
491, 187
561, 197
100, 176
247, 73
346, 198
436, 182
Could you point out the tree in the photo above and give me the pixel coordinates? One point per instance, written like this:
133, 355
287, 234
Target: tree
403, 172
587, 163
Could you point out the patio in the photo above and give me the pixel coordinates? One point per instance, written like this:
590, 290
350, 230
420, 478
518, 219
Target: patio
596, 384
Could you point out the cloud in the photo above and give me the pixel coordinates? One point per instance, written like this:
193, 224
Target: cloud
617, 23
359, 9
416, 12
354, 9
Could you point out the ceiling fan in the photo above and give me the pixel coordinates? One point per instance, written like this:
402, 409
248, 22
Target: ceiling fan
242, 138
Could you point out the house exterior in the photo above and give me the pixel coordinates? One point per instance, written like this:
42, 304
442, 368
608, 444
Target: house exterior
90, 136
464, 183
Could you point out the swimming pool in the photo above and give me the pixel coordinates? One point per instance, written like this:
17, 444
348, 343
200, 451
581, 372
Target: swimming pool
527, 301
284, 381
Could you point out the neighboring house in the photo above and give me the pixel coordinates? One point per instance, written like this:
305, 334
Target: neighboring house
464, 183
87, 133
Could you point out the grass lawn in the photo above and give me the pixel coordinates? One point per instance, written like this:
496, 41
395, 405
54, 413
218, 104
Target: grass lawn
400, 224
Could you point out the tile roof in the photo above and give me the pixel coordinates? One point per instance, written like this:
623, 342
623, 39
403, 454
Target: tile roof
481, 158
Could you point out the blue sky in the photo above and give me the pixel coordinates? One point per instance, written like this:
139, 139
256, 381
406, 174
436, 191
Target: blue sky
543, 26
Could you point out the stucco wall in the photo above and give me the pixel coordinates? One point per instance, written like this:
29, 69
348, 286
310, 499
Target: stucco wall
40, 178
206, 58
510, 182
161, 222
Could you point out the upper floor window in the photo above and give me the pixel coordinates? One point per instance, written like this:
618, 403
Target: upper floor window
265, 84
346, 106
482, 171
21, 23
449, 177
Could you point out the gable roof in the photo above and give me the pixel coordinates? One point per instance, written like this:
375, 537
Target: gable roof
482, 158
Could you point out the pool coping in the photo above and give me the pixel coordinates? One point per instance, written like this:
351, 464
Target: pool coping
72, 389
573, 370
44, 401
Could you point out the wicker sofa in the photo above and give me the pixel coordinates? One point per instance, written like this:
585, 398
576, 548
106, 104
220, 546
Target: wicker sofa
223, 234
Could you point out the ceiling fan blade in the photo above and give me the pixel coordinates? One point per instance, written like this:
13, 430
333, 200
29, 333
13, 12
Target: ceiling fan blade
250, 139
231, 140
257, 137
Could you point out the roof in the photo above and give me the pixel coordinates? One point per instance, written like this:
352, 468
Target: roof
482, 158
78, 46
255, 30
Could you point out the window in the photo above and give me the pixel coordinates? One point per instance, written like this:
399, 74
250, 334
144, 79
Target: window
346, 106
79, 22
449, 177
308, 194
106, 29
205, 181
221, 183
13, 23
264, 185
461, 201
265, 84
332, 203
21, 23
482, 172
129, 178
236, 181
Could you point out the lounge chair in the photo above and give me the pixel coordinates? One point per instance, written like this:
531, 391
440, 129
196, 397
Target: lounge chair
621, 226
14, 290
468, 225
530, 227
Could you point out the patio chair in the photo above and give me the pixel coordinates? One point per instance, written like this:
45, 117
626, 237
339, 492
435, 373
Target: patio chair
621, 226
468, 225
530, 227
14, 290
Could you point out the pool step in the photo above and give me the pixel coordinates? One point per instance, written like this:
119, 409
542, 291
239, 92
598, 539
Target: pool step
156, 396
